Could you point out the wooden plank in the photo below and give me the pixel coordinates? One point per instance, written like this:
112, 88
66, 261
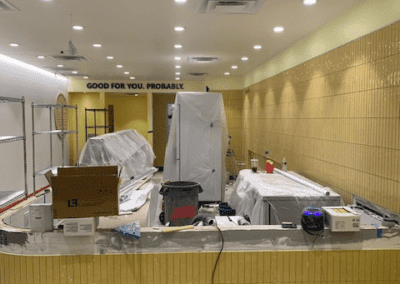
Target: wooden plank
97, 269
117, 268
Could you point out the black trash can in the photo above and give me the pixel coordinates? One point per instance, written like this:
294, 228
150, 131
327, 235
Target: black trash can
181, 201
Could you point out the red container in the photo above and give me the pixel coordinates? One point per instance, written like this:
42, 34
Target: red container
269, 167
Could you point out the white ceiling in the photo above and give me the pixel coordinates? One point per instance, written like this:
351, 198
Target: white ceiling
141, 37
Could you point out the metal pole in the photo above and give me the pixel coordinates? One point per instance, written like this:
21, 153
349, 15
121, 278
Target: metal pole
62, 135
24, 132
76, 135
33, 148
85, 124
51, 139
95, 124
105, 122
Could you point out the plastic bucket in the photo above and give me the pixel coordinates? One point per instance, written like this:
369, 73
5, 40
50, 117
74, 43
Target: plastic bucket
181, 201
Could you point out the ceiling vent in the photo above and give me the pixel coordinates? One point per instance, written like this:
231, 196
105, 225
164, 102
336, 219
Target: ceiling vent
202, 59
228, 6
70, 58
197, 74
7, 7
72, 54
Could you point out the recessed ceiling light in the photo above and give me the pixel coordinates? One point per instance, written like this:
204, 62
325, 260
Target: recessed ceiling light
119, 66
110, 57
60, 65
178, 73
40, 56
226, 73
97, 45
126, 72
78, 28
180, 1
177, 67
74, 72
278, 29
179, 29
257, 47
85, 77
309, 2
177, 58
178, 46
132, 78
136, 95
177, 78
14, 44
234, 67
245, 58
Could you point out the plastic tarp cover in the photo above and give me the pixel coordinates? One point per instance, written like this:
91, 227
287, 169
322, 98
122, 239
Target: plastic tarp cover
197, 143
127, 148
253, 191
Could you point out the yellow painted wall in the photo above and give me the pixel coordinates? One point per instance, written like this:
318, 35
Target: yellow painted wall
308, 267
83, 100
336, 118
130, 112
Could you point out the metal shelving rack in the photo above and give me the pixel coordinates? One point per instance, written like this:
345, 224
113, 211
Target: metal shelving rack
105, 111
7, 139
51, 132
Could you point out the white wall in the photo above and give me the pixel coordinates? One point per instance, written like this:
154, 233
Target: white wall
18, 79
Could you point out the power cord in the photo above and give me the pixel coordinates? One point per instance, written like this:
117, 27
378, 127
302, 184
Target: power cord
222, 248
317, 235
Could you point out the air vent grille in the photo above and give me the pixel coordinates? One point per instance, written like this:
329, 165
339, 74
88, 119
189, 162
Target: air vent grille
197, 74
7, 7
202, 59
228, 6
70, 58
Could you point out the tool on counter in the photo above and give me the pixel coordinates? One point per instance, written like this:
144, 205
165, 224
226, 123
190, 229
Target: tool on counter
174, 229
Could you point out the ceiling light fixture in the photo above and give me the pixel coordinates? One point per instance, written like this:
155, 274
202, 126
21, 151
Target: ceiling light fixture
78, 28
180, 1
132, 78
179, 29
136, 95
85, 77
60, 66
177, 58
257, 47
110, 57
234, 67
126, 73
119, 66
178, 46
245, 58
178, 73
14, 44
226, 73
278, 29
309, 2
97, 45
40, 56
177, 78
74, 72
177, 67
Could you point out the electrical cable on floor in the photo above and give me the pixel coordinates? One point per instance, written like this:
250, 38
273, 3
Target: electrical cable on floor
222, 248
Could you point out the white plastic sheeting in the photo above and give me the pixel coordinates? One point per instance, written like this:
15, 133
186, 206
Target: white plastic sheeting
274, 198
197, 143
127, 148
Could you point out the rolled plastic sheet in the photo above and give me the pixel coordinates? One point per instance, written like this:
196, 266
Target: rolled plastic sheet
302, 181
127, 148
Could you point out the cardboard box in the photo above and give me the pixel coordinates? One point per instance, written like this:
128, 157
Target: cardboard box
342, 219
80, 192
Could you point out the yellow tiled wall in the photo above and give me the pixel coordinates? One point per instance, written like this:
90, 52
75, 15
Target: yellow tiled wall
336, 118
351, 267
233, 103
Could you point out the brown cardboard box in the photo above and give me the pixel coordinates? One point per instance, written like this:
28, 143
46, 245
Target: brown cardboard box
80, 192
